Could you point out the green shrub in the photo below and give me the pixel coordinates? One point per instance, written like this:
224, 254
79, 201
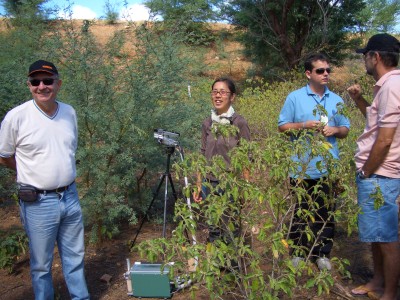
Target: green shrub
264, 269
11, 247
121, 93
120, 99
8, 185
111, 13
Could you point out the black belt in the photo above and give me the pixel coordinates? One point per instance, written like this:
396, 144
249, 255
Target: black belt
57, 190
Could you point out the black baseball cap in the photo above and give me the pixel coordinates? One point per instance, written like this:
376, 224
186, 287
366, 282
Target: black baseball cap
42, 66
381, 42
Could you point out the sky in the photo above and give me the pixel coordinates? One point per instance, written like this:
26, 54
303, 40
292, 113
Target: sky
95, 9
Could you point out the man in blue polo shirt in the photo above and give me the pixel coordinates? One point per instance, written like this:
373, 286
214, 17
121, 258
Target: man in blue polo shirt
314, 108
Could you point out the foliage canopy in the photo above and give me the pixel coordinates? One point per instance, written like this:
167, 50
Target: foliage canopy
190, 16
26, 9
280, 34
379, 16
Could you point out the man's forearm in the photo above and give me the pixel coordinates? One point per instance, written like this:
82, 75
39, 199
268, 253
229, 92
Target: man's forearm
9, 162
379, 150
310, 124
342, 132
362, 105
291, 126
375, 159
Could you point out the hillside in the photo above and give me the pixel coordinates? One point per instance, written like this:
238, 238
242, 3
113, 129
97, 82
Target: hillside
224, 58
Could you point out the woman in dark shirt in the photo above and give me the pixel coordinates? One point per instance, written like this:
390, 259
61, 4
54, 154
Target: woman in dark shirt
213, 142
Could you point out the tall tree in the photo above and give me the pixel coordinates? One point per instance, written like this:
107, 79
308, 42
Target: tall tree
190, 15
24, 8
20, 45
189, 10
280, 33
379, 16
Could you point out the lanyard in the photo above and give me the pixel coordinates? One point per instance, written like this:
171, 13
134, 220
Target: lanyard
322, 99
323, 118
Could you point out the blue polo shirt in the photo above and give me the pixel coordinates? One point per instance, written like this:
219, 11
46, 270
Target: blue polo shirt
298, 107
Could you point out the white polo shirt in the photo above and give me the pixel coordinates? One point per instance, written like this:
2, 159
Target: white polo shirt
44, 147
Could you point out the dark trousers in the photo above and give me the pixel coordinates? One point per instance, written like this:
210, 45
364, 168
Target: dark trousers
321, 224
222, 232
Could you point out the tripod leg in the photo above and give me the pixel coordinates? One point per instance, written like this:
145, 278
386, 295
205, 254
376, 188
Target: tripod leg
172, 186
147, 211
165, 206
167, 178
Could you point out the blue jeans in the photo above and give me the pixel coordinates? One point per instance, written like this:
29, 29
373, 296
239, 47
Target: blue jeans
378, 224
55, 217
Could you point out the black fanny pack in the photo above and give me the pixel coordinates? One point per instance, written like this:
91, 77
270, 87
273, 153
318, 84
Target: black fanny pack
27, 193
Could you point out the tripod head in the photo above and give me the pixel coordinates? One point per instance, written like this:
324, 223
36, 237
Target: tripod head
170, 150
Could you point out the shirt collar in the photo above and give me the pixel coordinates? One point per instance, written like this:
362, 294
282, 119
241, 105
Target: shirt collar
382, 80
310, 92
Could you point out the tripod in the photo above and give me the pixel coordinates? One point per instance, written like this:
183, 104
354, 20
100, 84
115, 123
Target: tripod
166, 177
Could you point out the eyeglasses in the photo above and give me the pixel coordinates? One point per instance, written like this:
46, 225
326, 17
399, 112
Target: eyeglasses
46, 81
321, 71
222, 92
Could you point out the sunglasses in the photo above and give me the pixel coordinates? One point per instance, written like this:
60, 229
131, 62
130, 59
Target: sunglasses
321, 71
46, 81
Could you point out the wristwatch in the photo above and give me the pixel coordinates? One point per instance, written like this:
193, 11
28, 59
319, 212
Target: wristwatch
361, 174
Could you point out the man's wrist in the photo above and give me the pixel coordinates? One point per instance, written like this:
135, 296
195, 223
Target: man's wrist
362, 174
359, 98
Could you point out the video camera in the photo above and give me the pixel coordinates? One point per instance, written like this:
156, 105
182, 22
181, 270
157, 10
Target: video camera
167, 138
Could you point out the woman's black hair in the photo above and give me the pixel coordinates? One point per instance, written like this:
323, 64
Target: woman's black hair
229, 82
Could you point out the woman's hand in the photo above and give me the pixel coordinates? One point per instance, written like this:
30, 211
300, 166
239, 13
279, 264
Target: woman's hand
197, 191
197, 195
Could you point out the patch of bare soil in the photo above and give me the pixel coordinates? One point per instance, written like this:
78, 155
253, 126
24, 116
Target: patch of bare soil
110, 260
